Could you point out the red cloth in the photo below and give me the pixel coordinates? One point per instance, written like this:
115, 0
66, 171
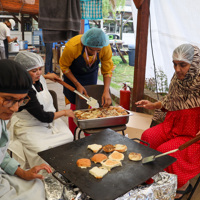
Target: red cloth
178, 127
72, 125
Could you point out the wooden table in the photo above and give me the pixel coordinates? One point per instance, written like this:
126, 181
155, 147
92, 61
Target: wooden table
57, 52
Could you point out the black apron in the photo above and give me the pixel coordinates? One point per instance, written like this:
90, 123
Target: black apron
6, 47
84, 74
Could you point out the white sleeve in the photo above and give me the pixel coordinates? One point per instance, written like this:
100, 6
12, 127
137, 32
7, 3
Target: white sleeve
7, 32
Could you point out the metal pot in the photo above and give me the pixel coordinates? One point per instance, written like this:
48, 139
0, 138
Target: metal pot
21, 44
13, 47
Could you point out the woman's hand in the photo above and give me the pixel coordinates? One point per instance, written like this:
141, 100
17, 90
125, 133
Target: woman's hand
69, 113
52, 77
198, 133
62, 113
149, 105
33, 172
106, 99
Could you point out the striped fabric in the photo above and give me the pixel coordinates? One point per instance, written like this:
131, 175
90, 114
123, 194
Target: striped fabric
91, 9
183, 94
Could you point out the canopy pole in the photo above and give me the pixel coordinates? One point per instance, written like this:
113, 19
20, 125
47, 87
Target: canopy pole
141, 51
22, 25
82, 26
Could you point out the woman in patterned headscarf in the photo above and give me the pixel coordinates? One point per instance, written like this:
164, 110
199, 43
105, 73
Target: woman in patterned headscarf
182, 106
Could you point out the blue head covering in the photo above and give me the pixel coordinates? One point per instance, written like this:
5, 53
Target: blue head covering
95, 38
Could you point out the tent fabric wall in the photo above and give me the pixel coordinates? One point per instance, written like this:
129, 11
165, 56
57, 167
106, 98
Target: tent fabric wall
172, 23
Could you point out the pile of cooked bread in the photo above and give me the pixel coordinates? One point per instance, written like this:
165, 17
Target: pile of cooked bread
100, 112
108, 162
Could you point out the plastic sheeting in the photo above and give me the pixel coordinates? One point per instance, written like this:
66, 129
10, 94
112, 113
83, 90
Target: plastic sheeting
171, 25
163, 188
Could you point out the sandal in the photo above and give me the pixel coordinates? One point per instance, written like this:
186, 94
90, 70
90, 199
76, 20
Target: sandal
183, 192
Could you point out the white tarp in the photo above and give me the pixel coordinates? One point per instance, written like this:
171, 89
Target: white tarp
173, 22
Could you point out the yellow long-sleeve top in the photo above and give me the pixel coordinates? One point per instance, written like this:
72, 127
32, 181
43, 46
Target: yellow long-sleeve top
73, 49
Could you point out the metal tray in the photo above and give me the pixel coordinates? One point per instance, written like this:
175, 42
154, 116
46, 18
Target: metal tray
102, 122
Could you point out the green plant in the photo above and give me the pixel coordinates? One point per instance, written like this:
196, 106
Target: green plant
150, 84
121, 74
117, 60
107, 7
162, 83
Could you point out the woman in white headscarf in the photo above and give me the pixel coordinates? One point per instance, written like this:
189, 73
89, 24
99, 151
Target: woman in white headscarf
182, 107
37, 126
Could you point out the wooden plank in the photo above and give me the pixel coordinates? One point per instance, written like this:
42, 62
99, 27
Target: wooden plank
35, 18
140, 54
16, 19
16, 6
22, 26
82, 26
138, 3
120, 53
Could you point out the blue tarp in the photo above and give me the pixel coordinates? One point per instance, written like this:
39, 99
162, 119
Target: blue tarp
87, 26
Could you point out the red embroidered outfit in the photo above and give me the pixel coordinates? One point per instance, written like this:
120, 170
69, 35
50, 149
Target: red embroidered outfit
178, 127
182, 121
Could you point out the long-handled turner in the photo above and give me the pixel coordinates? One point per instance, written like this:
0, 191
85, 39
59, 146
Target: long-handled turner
183, 146
90, 101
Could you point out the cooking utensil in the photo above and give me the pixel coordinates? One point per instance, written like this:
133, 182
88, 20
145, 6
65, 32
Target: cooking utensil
102, 122
90, 101
183, 146
119, 180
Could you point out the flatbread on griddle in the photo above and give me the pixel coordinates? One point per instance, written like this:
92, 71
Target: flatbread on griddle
135, 156
108, 148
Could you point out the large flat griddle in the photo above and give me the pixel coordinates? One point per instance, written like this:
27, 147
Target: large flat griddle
119, 180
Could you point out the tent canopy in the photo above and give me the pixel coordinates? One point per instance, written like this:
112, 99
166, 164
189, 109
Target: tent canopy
20, 6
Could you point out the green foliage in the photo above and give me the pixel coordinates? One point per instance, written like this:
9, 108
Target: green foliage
117, 60
121, 74
162, 83
107, 7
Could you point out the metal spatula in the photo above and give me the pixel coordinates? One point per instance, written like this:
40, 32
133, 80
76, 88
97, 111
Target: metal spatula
183, 146
90, 101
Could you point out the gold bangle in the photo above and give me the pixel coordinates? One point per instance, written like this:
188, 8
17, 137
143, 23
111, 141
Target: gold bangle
161, 105
156, 107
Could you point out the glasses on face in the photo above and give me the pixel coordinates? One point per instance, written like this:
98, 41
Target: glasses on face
10, 102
